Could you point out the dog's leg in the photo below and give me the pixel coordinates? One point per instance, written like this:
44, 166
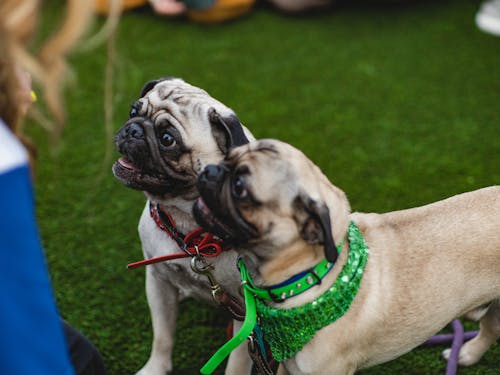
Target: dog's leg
163, 302
239, 362
477, 313
489, 332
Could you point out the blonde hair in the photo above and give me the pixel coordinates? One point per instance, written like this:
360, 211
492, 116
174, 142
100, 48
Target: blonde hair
18, 22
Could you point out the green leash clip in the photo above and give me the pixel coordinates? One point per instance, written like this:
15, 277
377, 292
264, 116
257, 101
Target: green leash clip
246, 328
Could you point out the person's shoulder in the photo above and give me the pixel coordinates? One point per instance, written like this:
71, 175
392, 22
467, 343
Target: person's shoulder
12, 152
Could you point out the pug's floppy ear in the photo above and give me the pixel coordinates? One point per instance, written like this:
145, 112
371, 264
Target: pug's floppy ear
228, 130
316, 225
149, 85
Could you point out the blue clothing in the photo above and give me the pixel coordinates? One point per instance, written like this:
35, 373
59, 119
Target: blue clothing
31, 334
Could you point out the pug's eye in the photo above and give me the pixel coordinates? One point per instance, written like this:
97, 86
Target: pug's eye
135, 108
239, 188
134, 112
167, 140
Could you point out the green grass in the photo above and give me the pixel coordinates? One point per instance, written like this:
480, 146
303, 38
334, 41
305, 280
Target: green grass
398, 104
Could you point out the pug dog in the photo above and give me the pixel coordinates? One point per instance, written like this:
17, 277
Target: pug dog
174, 130
403, 277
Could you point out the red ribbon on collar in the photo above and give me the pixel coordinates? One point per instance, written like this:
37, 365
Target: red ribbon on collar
196, 242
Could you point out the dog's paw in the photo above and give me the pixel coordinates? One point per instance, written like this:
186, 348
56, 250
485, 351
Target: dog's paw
466, 356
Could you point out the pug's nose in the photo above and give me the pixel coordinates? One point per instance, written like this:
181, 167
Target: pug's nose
212, 173
134, 130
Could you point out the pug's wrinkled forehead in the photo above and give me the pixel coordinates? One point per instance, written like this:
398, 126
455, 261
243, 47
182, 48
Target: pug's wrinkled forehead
269, 154
274, 168
173, 89
265, 166
170, 93
197, 115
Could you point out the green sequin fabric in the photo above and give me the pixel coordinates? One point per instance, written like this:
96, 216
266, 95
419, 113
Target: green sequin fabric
288, 330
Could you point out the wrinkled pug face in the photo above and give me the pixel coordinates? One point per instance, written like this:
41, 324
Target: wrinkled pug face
266, 196
174, 130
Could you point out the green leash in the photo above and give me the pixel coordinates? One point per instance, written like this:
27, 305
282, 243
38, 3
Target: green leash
245, 330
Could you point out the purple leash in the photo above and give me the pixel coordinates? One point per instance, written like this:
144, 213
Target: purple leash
458, 337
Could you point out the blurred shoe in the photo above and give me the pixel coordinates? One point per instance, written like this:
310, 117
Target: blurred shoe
488, 17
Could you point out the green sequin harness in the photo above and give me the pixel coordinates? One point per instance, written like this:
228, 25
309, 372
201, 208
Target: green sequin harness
288, 330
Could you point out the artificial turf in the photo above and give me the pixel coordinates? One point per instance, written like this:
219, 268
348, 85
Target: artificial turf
398, 103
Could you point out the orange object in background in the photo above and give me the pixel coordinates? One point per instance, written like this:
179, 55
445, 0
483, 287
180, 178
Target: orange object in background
104, 6
223, 10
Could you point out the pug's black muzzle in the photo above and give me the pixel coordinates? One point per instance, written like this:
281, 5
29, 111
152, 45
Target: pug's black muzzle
131, 141
215, 209
210, 183
208, 206
142, 167
130, 132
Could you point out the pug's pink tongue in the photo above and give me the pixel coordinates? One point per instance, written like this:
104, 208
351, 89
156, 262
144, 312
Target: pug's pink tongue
127, 164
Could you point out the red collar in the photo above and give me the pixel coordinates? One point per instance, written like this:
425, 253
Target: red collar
196, 242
